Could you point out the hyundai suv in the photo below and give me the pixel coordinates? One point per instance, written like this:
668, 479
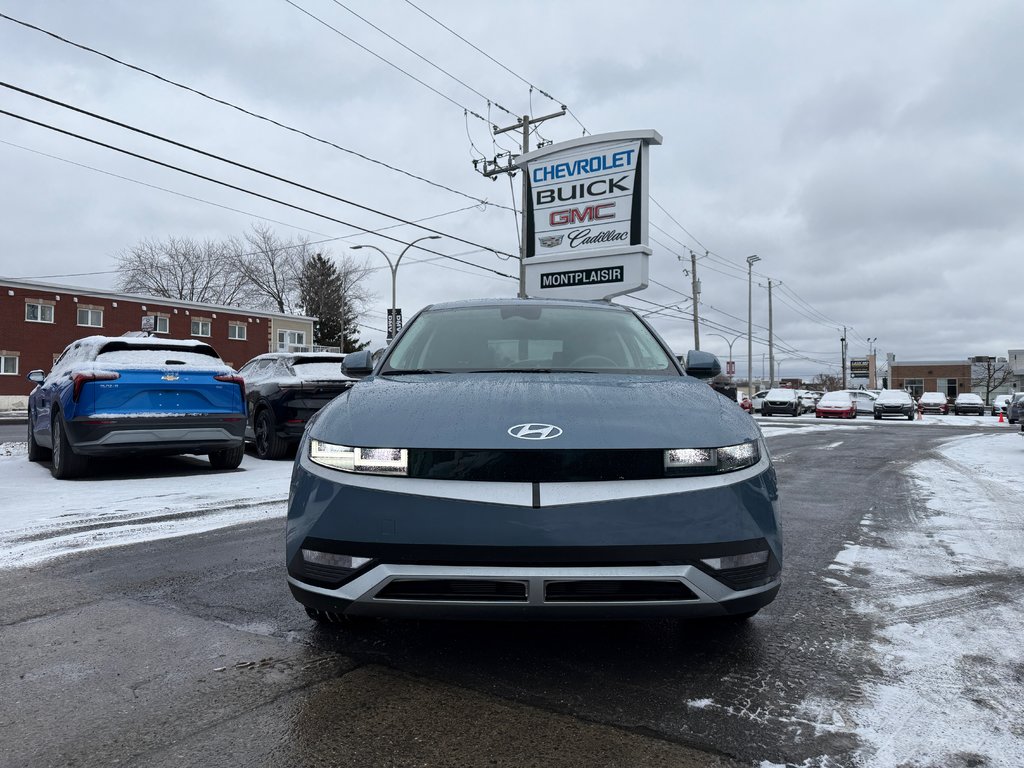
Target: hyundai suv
529, 458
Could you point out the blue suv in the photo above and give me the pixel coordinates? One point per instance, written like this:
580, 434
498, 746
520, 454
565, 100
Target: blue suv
109, 396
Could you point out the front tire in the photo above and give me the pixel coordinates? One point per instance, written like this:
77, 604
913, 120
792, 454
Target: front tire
268, 445
228, 458
65, 464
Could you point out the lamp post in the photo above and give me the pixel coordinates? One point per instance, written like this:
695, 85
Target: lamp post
730, 343
750, 322
394, 277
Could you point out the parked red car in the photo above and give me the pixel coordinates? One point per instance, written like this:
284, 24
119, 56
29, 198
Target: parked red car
836, 405
933, 402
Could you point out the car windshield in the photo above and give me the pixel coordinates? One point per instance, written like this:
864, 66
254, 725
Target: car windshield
835, 399
528, 337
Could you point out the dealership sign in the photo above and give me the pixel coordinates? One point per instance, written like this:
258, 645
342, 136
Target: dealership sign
586, 216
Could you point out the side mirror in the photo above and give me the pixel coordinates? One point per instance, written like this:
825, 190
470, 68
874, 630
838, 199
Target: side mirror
357, 364
36, 377
702, 365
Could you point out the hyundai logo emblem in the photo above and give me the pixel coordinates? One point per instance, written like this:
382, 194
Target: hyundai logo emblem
535, 431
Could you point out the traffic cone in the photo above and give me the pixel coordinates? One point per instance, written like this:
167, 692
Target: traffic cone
1001, 420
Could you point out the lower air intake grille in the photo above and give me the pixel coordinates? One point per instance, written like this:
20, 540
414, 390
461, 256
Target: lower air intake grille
620, 590
477, 591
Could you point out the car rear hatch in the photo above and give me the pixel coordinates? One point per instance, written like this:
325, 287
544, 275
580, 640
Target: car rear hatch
308, 397
164, 392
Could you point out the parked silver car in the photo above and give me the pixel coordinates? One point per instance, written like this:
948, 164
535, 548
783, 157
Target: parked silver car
1015, 408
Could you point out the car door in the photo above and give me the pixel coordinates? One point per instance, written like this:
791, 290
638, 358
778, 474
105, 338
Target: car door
44, 396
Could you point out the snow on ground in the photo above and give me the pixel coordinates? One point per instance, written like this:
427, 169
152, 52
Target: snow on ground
125, 503
946, 592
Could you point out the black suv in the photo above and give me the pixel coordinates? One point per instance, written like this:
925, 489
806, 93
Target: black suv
283, 390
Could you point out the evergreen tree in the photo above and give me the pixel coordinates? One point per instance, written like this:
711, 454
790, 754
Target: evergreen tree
321, 294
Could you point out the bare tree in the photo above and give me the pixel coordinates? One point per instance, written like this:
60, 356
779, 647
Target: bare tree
182, 268
828, 382
271, 266
988, 374
258, 270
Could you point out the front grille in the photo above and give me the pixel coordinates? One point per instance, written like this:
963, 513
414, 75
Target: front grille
470, 590
534, 466
616, 591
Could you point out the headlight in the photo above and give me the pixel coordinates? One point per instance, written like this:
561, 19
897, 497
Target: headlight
704, 461
373, 461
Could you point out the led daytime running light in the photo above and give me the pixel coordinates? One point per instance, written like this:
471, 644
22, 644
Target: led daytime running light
372, 461
712, 460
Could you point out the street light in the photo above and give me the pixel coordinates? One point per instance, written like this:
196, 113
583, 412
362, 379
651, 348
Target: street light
392, 329
750, 322
730, 343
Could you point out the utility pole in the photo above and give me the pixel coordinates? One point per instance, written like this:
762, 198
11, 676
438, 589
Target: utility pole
695, 287
492, 169
750, 322
771, 344
842, 343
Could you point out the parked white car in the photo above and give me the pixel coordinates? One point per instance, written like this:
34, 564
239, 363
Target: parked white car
864, 400
999, 403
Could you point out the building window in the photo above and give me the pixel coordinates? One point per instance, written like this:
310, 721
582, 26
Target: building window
287, 341
914, 386
38, 313
9, 364
200, 327
90, 317
947, 386
237, 331
161, 324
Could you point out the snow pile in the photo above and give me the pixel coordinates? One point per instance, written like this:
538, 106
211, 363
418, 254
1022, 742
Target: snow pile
947, 592
125, 502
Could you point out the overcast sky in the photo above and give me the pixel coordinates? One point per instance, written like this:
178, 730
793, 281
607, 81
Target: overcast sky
868, 152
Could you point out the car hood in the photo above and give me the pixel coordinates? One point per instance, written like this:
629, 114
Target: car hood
594, 411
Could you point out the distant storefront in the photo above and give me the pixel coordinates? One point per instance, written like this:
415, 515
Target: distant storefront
37, 320
945, 376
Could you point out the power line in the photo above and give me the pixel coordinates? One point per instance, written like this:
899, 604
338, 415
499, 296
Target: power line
491, 58
242, 189
387, 61
219, 158
244, 110
424, 59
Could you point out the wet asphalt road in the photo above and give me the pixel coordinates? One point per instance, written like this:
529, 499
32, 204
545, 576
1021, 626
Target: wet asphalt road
190, 651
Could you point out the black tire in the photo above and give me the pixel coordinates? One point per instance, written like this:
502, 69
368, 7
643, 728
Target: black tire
36, 452
227, 458
910, 416
878, 417
267, 443
65, 464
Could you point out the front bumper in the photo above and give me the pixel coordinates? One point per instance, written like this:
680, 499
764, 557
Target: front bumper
455, 549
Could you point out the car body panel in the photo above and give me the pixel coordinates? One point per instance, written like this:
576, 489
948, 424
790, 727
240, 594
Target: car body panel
504, 527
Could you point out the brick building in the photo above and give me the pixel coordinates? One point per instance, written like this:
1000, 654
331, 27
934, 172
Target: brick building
37, 320
950, 377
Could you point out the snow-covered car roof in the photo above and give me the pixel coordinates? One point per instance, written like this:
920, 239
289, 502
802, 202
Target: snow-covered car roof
830, 398
124, 352
894, 396
969, 397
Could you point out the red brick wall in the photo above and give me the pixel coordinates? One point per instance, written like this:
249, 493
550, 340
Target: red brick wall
37, 343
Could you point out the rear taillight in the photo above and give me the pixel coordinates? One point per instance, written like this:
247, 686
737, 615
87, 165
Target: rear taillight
231, 378
81, 379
